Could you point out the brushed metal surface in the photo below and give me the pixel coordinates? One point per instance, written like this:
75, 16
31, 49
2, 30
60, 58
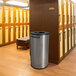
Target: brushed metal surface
39, 51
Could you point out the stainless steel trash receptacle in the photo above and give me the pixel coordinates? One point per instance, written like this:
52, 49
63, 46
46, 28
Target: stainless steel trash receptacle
39, 49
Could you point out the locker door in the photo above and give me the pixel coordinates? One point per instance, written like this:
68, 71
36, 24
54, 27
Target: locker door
60, 12
28, 30
17, 16
69, 38
20, 16
65, 12
17, 32
69, 12
27, 16
75, 35
1, 15
65, 41
72, 36
11, 34
24, 16
1, 38
6, 14
20, 31
6, 35
72, 13
11, 15
61, 44
24, 30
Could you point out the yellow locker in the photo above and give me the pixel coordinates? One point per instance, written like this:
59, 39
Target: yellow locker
69, 39
6, 34
60, 11
75, 35
11, 34
72, 36
28, 16
1, 36
65, 11
11, 15
17, 15
72, 13
24, 30
28, 30
65, 41
6, 15
24, 16
1, 14
69, 12
17, 32
21, 31
61, 43
20, 15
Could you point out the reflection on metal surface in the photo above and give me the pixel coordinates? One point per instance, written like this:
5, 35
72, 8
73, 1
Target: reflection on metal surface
39, 50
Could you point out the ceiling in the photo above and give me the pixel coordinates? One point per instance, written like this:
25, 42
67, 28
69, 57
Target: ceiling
24, 1
18, 0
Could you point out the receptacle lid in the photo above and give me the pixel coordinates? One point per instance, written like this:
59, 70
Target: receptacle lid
39, 33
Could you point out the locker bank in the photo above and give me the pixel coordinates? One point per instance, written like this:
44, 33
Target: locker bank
14, 23
18, 18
